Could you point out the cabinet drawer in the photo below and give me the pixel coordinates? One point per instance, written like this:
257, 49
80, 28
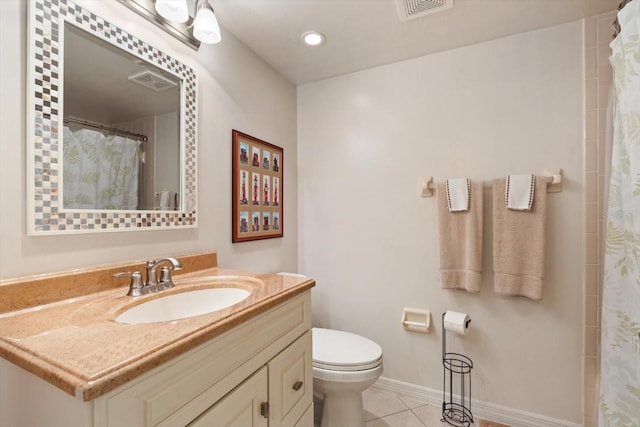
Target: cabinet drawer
291, 383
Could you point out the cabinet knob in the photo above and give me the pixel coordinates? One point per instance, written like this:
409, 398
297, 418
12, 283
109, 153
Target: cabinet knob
297, 385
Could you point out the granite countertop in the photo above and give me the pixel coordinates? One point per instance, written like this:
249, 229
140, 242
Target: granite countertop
76, 345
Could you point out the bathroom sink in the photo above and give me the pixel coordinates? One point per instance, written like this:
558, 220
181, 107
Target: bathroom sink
183, 305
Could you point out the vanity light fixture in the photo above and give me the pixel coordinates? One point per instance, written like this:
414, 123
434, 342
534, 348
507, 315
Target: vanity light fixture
204, 26
173, 10
313, 38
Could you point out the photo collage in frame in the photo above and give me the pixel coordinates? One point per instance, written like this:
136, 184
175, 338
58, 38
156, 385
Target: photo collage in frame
257, 189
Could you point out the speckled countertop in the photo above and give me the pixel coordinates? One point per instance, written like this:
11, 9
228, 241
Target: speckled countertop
76, 345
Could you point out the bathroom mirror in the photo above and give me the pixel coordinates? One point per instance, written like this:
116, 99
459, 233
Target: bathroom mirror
112, 127
123, 152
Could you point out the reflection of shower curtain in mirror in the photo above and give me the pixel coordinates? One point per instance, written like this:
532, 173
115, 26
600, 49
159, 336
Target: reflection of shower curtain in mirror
100, 172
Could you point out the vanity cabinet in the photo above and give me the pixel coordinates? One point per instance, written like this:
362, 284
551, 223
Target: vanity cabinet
260, 366
262, 363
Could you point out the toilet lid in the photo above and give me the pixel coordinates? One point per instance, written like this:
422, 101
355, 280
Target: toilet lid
344, 351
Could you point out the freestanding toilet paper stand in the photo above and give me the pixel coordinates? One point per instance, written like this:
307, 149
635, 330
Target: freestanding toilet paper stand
456, 387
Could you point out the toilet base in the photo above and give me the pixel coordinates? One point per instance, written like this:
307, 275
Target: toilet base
343, 409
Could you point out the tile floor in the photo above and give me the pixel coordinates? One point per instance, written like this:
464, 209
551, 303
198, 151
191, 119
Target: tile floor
385, 409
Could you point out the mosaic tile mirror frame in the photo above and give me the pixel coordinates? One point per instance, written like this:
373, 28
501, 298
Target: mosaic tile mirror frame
45, 213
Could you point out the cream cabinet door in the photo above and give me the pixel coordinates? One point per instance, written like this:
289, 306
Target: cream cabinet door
291, 383
307, 418
241, 407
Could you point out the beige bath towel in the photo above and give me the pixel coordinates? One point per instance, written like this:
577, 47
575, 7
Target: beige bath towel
519, 243
460, 237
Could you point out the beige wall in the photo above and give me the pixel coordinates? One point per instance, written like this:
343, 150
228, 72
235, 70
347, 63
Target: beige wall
513, 105
236, 89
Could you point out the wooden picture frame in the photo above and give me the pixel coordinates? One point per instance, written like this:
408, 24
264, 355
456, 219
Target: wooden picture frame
257, 169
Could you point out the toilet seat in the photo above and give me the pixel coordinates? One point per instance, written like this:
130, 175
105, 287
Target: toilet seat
343, 351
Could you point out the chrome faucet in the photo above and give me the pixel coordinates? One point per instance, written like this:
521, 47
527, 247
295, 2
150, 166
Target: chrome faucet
165, 277
137, 288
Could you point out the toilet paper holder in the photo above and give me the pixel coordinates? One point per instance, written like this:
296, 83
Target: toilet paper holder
416, 320
456, 407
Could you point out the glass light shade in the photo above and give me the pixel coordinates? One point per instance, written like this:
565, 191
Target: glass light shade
173, 10
205, 27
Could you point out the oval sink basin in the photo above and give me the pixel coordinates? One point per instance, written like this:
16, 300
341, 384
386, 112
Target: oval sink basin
183, 305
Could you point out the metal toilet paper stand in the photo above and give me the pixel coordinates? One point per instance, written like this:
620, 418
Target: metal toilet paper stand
456, 387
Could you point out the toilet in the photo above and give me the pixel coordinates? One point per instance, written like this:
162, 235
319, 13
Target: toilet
344, 365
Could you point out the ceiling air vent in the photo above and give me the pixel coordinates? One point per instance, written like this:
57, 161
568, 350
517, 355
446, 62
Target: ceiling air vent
153, 81
411, 9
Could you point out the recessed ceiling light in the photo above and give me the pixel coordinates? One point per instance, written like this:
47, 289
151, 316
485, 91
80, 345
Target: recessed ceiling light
313, 38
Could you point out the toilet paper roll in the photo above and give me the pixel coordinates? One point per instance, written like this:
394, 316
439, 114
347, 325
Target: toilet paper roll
456, 322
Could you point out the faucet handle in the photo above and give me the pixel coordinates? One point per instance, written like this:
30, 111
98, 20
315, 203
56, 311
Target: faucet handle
152, 265
165, 278
136, 287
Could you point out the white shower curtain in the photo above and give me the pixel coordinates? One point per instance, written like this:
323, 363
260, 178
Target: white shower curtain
99, 172
620, 346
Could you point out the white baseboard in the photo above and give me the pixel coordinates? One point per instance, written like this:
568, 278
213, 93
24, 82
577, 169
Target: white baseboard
483, 410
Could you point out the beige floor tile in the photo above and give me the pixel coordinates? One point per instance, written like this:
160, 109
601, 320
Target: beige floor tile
378, 404
430, 415
411, 403
385, 409
401, 419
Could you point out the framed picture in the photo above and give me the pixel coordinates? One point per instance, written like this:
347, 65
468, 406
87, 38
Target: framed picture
257, 189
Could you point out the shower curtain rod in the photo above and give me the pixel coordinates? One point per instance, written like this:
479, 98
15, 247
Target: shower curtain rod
116, 131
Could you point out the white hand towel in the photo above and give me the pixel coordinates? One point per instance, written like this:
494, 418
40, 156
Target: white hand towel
520, 190
458, 194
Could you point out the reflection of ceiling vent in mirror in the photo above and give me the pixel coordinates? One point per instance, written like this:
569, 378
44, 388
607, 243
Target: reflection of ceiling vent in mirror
411, 9
153, 80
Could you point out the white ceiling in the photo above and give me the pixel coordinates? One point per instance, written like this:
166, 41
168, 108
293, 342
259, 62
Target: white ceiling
366, 33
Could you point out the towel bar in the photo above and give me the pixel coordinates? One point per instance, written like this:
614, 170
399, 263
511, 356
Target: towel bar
554, 185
